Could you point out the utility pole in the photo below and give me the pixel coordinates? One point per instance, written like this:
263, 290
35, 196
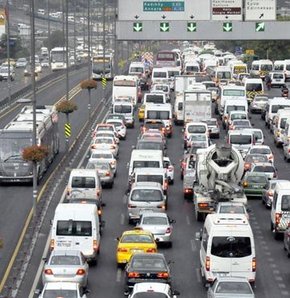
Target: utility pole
8, 48
104, 46
75, 45
89, 57
34, 143
48, 26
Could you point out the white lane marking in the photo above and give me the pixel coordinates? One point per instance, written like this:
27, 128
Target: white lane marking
198, 275
285, 293
124, 199
282, 286
278, 278
122, 219
45, 252
119, 275
193, 245
187, 220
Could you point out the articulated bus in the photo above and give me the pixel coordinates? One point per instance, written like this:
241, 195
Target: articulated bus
58, 58
101, 63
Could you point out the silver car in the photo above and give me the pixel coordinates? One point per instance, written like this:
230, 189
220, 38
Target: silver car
225, 287
258, 104
158, 224
66, 266
105, 171
145, 196
105, 143
105, 156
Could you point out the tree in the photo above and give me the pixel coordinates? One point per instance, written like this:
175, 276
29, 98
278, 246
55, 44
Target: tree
56, 40
35, 153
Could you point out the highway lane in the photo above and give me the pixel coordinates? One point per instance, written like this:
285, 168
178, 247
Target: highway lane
16, 201
105, 280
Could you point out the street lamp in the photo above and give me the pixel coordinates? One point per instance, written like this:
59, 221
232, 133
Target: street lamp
8, 49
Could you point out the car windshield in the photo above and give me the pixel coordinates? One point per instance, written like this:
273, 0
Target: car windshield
241, 139
145, 195
234, 288
233, 92
164, 115
149, 145
275, 108
231, 247
242, 123
257, 179
135, 238
145, 164
83, 182
65, 260
198, 138
285, 203
152, 178
256, 158
261, 99
148, 264
232, 209
149, 294
101, 155
235, 108
60, 293
238, 116
154, 125
154, 220
264, 169
73, 228
103, 141
196, 129
260, 150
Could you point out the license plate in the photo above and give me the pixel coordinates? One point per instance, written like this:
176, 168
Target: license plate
136, 251
223, 273
64, 244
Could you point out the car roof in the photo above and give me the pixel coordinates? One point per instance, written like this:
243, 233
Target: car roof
138, 231
264, 164
146, 185
61, 285
152, 213
151, 286
66, 252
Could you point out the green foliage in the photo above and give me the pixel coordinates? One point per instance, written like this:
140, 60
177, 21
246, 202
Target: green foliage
16, 50
56, 40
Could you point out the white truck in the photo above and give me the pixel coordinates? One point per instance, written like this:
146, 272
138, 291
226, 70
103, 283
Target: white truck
197, 105
219, 169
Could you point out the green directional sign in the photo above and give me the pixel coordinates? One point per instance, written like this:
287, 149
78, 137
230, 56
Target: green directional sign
227, 27
191, 26
260, 27
164, 27
137, 27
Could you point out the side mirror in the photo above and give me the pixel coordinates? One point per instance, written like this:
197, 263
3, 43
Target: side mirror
103, 223
175, 293
37, 292
249, 210
198, 236
182, 130
118, 239
172, 221
128, 165
44, 260
133, 147
51, 222
87, 291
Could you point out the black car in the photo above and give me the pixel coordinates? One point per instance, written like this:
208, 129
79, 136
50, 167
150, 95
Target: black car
146, 267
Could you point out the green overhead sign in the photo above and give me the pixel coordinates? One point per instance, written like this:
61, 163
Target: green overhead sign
260, 27
137, 27
227, 27
191, 26
164, 27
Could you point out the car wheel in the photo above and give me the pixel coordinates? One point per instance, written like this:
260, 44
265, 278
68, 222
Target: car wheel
172, 181
199, 216
276, 236
111, 184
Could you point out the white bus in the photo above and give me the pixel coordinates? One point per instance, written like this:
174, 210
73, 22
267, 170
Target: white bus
58, 58
101, 62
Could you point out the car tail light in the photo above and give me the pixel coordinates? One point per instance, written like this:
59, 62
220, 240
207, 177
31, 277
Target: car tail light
95, 245
247, 166
245, 184
275, 175
162, 275
183, 164
93, 146
168, 230
52, 244
163, 130
99, 212
113, 146
207, 263
278, 217
107, 174
203, 205
161, 206
254, 265
187, 190
122, 249
133, 274
113, 162
81, 272
165, 185
68, 191
131, 206
170, 168
289, 150
98, 192
48, 272
151, 250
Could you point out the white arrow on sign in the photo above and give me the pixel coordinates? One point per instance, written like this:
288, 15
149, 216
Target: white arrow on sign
137, 27
260, 27
164, 27
191, 27
227, 27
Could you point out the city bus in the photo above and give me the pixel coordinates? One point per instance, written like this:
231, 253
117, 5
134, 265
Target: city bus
58, 58
101, 62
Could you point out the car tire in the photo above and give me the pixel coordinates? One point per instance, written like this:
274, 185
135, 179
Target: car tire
110, 185
199, 216
172, 181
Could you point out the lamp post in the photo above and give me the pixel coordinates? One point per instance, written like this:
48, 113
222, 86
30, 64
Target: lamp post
8, 49
89, 57
32, 52
104, 43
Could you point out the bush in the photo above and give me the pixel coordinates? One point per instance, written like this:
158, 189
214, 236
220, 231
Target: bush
66, 106
35, 153
89, 84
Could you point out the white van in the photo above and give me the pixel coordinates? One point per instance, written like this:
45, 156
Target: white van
272, 107
137, 69
160, 75
145, 159
76, 226
280, 121
253, 87
191, 67
241, 140
233, 105
85, 181
278, 79
125, 108
280, 212
227, 247
154, 97
260, 68
232, 92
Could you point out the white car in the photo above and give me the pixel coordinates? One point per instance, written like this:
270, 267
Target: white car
38, 68
165, 88
63, 289
105, 143
156, 289
169, 169
4, 73
107, 133
264, 150
120, 127
267, 168
44, 63
21, 62
104, 155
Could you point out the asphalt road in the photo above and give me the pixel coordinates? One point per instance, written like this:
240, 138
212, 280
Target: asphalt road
105, 280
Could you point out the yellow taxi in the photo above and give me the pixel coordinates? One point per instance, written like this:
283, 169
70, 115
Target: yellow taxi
141, 113
134, 241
